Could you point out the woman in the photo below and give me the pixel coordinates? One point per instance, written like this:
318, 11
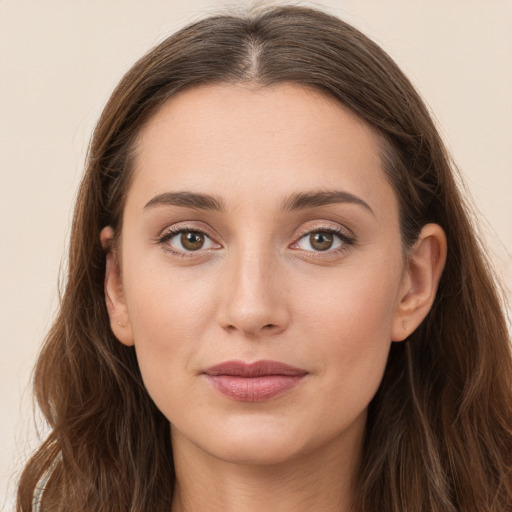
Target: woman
275, 298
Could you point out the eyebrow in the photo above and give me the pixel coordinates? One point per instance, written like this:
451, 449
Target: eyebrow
187, 199
315, 198
298, 201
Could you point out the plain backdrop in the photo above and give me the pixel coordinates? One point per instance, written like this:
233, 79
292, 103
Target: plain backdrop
59, 61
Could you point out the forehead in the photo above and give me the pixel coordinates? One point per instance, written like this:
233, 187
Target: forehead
256, 143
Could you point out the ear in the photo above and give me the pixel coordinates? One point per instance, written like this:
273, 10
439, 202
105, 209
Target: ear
421, 277
114, 294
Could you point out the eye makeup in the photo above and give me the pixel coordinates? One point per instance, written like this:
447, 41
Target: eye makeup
320, 240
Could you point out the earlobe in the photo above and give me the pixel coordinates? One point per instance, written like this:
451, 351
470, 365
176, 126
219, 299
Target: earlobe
423, 271
114, 294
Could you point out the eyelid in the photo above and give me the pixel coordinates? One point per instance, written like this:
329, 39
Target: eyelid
171, 231
324, 226
346, 237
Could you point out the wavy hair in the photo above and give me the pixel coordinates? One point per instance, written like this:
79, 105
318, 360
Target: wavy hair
438, 434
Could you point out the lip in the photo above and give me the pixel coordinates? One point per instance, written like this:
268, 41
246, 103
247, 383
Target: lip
253, 382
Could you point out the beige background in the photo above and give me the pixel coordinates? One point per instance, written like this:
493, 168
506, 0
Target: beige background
59, 60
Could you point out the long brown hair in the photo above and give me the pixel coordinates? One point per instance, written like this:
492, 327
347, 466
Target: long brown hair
439, 428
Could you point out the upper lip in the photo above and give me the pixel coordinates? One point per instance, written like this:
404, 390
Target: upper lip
256, 369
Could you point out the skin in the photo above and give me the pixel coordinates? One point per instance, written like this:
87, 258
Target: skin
260, 289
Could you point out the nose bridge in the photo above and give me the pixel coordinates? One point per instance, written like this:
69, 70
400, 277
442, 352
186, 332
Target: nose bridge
254, 300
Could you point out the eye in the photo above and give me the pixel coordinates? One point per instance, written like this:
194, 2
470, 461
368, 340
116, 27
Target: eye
323, 240
187, 240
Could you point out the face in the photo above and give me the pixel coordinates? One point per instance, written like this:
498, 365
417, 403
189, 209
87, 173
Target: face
259, 228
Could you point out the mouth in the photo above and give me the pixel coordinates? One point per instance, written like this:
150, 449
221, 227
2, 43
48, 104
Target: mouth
253, 382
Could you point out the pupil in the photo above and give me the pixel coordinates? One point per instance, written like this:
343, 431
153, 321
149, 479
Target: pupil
321, 241
192, 240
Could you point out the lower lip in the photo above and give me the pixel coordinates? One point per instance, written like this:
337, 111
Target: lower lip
253, 389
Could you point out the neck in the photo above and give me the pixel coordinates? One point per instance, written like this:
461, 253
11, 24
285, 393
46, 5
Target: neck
320, 480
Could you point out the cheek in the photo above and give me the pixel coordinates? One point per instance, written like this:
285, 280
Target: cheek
353, 303
169, 315
162, 301
347, 324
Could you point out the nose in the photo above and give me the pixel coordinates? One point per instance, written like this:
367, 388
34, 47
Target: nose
253, 301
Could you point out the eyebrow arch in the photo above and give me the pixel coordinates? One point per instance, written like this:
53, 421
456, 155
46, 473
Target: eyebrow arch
304, 200
298, 201
187, 199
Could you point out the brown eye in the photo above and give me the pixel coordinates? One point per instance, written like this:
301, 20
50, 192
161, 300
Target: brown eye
192, 240
183, 241
321, 240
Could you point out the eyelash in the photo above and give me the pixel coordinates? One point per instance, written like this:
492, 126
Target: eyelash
172, 232
346, 240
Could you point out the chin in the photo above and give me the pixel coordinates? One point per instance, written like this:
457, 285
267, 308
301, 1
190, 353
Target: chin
258, 451
248, 441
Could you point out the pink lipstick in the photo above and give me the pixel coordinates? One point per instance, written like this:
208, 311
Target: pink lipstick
253, 382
